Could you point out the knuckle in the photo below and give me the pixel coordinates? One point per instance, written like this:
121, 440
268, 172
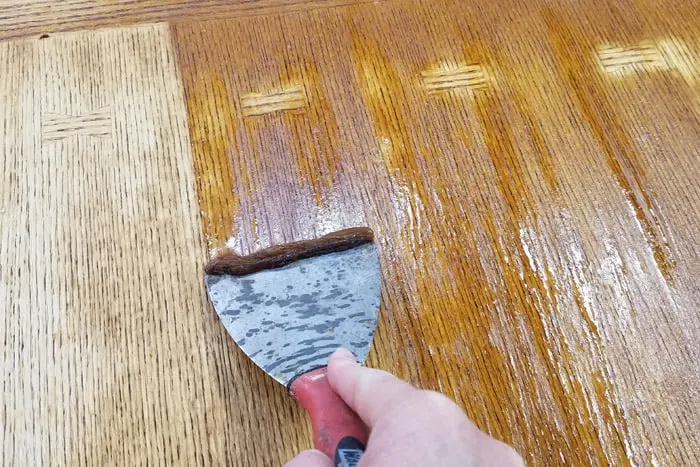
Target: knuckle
366, 387
438, 401
435, 403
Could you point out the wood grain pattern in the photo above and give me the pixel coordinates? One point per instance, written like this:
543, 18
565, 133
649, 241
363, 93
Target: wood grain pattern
644, 56
255, 103
110, 353
92, 123
22, 18
539, 234
447, 76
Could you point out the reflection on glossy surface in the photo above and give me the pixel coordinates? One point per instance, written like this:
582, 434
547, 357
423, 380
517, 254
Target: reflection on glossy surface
538, 258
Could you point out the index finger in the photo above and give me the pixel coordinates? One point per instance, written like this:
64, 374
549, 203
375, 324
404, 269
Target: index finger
369, 392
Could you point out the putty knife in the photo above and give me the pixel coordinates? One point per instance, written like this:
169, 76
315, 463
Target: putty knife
289, 320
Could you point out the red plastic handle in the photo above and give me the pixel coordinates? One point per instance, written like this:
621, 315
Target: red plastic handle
331, 419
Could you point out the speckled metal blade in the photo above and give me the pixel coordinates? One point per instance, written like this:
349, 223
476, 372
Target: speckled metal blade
289, 320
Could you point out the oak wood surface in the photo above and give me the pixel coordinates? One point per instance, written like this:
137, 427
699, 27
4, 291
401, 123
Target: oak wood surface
110, 353
530, 172
22, 18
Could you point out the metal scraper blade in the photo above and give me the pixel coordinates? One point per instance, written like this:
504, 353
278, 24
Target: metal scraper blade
290, 320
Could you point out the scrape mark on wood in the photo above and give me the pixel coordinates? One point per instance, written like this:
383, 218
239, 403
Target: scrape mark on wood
264, 103
644, 56
97, 123
446, 77
613, 139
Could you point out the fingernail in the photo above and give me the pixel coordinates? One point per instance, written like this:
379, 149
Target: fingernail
344, 354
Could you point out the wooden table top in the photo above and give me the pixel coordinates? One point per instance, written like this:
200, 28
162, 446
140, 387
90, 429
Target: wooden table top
530, 169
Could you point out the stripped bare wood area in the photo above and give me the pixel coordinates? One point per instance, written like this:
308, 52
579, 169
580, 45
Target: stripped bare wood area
80, 223
444, 78
644, 56
95, 123
264, 103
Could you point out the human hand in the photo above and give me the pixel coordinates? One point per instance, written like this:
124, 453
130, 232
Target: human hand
408, 426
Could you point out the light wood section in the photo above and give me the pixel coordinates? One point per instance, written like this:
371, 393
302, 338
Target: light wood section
255, 103
41, 18
643, 57
111, 354
539, 235
92, 123
449, 76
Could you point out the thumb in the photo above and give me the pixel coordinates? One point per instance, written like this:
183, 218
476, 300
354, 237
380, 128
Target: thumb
310, 458
369, 392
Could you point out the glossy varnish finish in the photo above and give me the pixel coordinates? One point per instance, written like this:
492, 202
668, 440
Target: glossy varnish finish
530, 173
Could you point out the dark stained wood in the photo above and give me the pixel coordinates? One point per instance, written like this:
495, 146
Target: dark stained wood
531, 174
